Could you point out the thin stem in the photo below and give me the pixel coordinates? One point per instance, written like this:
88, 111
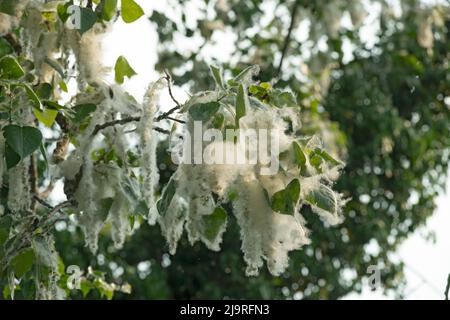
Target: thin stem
287, 39
169, 84
123, 121
176, 120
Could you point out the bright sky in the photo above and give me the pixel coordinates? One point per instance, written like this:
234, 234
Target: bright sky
428, 263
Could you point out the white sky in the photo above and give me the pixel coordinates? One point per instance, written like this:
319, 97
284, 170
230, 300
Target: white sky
429, 264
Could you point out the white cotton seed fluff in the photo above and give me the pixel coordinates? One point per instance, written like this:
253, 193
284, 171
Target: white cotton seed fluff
172, 223
425, 36
357, 13
149, 142
118, 216
7, 23
19, 187
86, 197
88, 50
332, 14
265, 235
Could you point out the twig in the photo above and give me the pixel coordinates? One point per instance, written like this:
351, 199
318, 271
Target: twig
33, 180
42, 202
105, 125
287, 39
169, 84
166, 115
176, 120
158, 129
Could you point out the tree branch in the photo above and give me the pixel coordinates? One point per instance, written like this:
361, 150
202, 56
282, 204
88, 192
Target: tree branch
105, 125
287, 39
123, 121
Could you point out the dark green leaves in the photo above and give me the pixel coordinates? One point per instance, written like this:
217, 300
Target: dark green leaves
104, 207
217, 74
131, 11
300, 157
213, 223
167, 196
282, 99
323, 198
21, 142
241, 103
82, 111
55, 65
261, 91
108, 9
62, 11
285, 201
87, 20
9, 6
318, 156
5, 224
5, 47
32, 96
123, 69
203, 111
10, 69
22, 262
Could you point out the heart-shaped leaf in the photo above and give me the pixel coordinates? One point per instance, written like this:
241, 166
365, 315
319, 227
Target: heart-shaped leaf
131, 11
22, 140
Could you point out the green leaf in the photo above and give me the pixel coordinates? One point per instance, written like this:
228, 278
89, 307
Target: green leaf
62, 11
5, 47
203, 111
108, 9
131, 11
63, 86
123, 69
34, 99
10, 69
323, 198
47, 117
22, 140
217, 74
282, 99
218, 121
87, 20
9, 6
44, 91
86, 286
325, 156
104, 207
214, 222
241, 104
244, 73
11, 157
55, 65
5, 225
167, 196
300, 157
82, 111
23, 262
44, 155
285, 201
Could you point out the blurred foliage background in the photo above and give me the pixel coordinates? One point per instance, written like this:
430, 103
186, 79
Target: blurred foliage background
383, 103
